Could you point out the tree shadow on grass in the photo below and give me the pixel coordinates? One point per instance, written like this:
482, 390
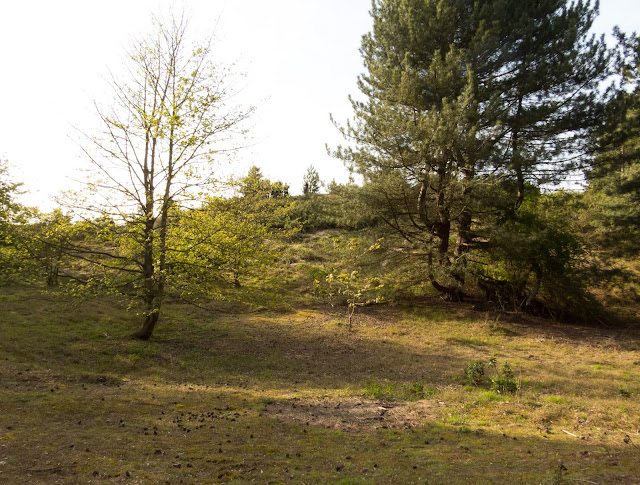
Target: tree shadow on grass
623, 334
313, 352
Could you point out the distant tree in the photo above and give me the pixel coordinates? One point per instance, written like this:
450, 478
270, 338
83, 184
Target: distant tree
311, 181
12, 214
279, 189
255, 184
232, 236
342, 207
466, 104
8, 205
6, 196
168, 121
49, 240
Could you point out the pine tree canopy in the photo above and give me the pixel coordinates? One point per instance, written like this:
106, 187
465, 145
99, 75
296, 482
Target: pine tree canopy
614, 178
467, 105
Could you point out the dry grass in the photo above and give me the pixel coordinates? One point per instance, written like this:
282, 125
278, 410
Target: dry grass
293, 397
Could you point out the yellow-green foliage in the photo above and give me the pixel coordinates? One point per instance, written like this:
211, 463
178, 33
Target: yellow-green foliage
230, 237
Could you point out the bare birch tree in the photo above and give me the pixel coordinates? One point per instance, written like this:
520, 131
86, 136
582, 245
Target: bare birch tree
172, 116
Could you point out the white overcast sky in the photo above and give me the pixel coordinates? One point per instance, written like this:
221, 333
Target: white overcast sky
300, 58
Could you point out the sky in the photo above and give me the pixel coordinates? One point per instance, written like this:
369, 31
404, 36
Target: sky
299, 61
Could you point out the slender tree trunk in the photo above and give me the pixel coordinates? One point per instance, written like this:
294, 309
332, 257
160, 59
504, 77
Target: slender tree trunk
517, 159
351, 310
148, 266
441, 229
463, 237
534, 290
155, 277
152, 291
464, 219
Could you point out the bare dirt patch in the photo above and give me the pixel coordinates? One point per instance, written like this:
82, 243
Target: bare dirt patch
352, 414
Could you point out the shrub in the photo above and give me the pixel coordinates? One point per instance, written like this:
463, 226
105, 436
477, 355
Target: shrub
475, 372
504, 381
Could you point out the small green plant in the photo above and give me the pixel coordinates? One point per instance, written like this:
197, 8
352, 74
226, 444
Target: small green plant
558, 475
415, 391
350, 287
375, 390
457, 419
555, 399
416, 388
474, 372
505, 381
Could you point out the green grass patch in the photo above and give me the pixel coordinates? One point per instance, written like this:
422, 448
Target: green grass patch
555, 400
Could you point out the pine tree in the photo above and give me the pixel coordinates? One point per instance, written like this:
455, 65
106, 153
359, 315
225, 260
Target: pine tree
311, 181
614, 179
465, 104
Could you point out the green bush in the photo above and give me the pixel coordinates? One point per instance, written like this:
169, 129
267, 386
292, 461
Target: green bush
503, 382
474, 372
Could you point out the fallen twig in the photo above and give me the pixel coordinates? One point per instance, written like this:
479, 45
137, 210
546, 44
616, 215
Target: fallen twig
570, 434
63, 447
627, 440
44, 470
